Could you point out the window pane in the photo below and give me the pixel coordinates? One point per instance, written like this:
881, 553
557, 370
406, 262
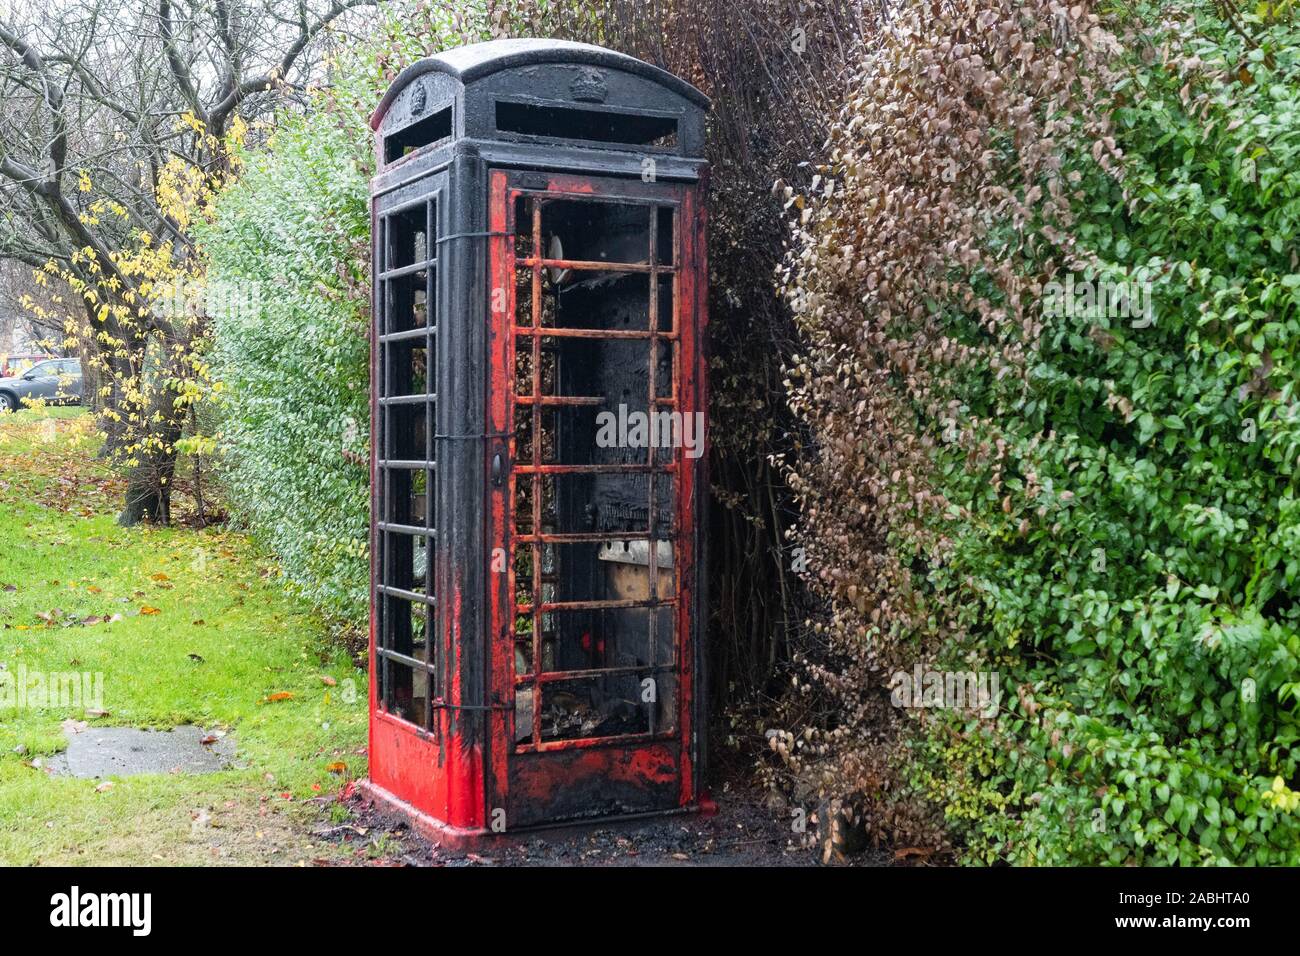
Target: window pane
611, 705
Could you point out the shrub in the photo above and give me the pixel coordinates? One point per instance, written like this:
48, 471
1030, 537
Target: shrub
293, 367
289, 253
1098, 508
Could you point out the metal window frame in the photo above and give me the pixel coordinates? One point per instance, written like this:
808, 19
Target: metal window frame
385, 590
535, 470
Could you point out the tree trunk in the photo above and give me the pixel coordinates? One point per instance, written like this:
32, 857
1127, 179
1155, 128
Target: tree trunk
149, 482
147, 499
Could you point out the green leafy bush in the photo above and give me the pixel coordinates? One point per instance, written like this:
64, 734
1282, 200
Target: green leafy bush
288, 272
291, 354
1099, 508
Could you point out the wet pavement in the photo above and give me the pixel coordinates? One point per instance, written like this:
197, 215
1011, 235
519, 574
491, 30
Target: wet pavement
96, 752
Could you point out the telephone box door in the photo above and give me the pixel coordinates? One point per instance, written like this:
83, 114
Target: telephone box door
595, 408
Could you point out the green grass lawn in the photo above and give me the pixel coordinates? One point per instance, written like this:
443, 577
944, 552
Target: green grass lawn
186, 626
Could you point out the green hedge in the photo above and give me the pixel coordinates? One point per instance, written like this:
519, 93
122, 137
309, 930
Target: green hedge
289, 253
1145, 578
1109, 517
292, 356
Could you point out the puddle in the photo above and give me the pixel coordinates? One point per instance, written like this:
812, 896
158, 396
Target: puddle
123, 751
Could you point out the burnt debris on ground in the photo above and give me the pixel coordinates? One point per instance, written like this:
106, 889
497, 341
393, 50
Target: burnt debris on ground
743, 832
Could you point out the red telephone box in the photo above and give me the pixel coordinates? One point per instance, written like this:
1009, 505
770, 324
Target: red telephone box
538, 398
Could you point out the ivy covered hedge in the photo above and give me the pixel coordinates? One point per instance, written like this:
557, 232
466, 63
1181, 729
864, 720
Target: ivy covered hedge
1098, 508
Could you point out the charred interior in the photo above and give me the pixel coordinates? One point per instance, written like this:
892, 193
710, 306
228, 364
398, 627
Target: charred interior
595, 650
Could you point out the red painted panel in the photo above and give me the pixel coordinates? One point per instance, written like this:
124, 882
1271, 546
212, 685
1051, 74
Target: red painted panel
501, 570
407, 764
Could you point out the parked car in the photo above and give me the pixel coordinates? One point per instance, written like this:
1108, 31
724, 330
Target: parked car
13, 364
57, 381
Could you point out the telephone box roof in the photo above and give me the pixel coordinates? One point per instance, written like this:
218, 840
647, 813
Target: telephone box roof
467, 64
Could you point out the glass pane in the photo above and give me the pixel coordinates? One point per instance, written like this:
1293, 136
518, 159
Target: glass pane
405, 307
405, 563
405, 632
610, 301
408, 431
615, 570
406, 367
665, 245
617, 637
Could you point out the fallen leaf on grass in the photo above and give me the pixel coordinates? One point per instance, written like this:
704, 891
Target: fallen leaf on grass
337, 766
328, 681
149, 609
104, 787
281, 695
159, 577
197, 658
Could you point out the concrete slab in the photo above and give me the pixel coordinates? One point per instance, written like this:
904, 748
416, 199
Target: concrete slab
122, 751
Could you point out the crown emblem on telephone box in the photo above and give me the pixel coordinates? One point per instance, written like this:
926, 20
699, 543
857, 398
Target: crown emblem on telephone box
589, 86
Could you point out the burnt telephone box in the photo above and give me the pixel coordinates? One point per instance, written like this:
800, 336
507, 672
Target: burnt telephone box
538, 466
